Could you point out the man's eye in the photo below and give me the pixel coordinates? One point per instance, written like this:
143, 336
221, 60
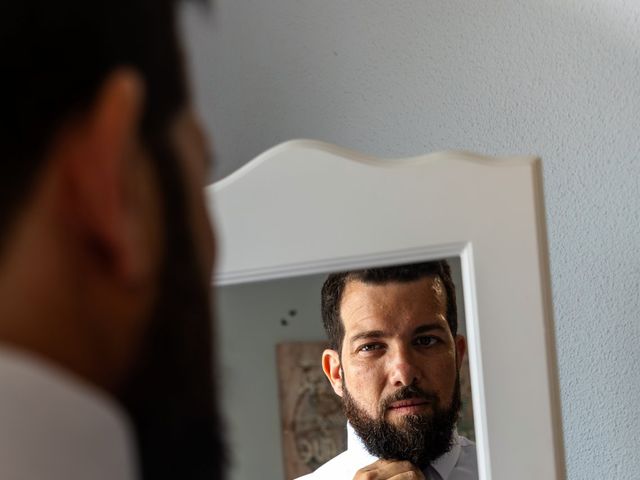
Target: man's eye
369, 347
425, 341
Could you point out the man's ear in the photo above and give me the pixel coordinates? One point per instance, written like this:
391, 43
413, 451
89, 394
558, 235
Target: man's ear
461, 349
106, 185
331, 368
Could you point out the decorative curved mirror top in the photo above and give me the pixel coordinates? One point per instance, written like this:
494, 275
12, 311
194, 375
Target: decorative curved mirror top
306, 207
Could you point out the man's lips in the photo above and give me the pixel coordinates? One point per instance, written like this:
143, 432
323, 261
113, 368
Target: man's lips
408, 404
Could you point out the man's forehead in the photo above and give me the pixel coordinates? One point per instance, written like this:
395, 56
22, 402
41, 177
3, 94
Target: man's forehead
429, 286
367, 302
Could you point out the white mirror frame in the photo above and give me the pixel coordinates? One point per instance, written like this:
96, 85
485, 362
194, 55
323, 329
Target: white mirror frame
307, 207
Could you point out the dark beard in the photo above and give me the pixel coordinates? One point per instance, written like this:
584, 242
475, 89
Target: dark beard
419, 439
170, 395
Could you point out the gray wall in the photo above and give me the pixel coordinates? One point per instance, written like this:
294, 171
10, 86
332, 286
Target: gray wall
393, 78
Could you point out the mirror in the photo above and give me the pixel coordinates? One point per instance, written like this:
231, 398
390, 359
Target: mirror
295, 424
305, 208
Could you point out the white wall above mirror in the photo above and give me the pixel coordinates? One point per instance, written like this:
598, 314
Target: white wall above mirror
306, 208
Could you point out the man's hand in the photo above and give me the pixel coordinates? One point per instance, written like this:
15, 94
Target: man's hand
389, 470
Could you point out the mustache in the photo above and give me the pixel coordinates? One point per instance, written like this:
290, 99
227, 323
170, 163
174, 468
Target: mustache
409, 392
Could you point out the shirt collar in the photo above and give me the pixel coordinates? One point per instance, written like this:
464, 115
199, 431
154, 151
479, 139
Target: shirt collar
443, 465
356, 446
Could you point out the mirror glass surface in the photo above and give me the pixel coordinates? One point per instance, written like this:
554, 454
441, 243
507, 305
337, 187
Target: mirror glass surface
282, 415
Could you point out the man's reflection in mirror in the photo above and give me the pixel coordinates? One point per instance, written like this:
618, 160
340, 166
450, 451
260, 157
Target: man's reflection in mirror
395, 361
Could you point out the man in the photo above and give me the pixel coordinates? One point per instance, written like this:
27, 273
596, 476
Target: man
395, 359
106, 250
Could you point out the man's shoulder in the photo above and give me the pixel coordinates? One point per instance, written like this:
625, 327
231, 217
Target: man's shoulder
340, 464
56, 427
466, 467
467, 451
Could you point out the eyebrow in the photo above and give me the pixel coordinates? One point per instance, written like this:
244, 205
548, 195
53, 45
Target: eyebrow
366, 335
428, 327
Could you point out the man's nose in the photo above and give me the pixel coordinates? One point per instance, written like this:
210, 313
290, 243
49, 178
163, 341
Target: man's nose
403, 369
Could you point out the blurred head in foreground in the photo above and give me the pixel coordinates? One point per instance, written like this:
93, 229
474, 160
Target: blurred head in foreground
105, 245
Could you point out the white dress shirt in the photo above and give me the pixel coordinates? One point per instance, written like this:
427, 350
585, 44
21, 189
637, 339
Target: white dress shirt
56, 427
459, 463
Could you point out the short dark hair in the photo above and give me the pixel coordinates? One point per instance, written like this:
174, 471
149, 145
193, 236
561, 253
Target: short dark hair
55, 56
335, 283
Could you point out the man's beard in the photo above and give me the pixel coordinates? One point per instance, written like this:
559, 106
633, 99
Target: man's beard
170, 395
419, 439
